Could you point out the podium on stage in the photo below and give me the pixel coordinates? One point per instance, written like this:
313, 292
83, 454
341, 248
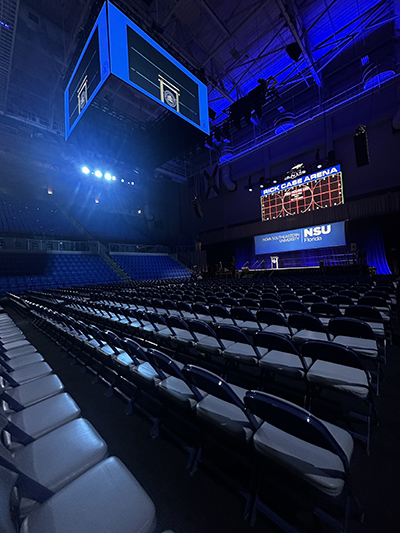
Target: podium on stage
274, 261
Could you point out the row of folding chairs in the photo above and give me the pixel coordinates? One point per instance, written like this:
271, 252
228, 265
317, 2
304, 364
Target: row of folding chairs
210, 329
314, 453
53, 459
320, 365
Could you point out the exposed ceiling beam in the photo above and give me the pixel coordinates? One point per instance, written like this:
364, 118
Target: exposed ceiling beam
292, 27
232, 34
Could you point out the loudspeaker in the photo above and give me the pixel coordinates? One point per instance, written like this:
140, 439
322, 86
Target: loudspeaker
361, 148
197, 208
353, 246
293, 51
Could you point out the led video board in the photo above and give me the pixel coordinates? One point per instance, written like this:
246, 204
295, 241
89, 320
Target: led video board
145, 65
118, 46
329, 235
304, 193
91, 71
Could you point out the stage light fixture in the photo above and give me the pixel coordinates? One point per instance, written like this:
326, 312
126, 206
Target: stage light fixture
107, 176
319, 165
139, 212
114, 178
122, 181
85, 170
98, 174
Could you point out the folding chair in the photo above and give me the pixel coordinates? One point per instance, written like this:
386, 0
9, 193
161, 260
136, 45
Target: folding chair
340, 369
105, 498
308, 328
311, 455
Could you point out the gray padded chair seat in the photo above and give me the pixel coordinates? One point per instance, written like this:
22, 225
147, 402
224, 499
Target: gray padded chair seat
183, 336
207, 343
18, 352
317, 466
343, 378
15, 344
145, 372
366, 347
229, 418
61, 456
30, 372
11, 336
34, 391
106, 498
24, 360
280, 330
47, 415
305, 335
287, 363
248, 326
177, 390
239, 351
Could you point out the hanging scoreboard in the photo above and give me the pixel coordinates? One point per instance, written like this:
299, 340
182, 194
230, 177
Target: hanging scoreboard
119, 47
142, 63
91, 71
305, 193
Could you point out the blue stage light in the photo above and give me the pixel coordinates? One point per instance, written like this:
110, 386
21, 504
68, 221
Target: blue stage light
98, 174
122, 181
114, 178
107, 176
85, 170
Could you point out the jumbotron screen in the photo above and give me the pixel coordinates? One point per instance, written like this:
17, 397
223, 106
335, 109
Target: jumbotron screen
304, 193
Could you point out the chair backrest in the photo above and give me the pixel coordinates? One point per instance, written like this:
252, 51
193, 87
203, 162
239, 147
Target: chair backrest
325, 309
331, 352
273, 341
200, 309
250, 303
294, 305
294, 420
216, 386
184, 306
306, 321
364, 312
374, 301
165, 366
232, 333
214, 300
112, 339
350, 293
312, 298
270, 303
270, 317
242, 313
228, 300
176, 322
198, 326
219, 311
340, 299
134, 349
350, 327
